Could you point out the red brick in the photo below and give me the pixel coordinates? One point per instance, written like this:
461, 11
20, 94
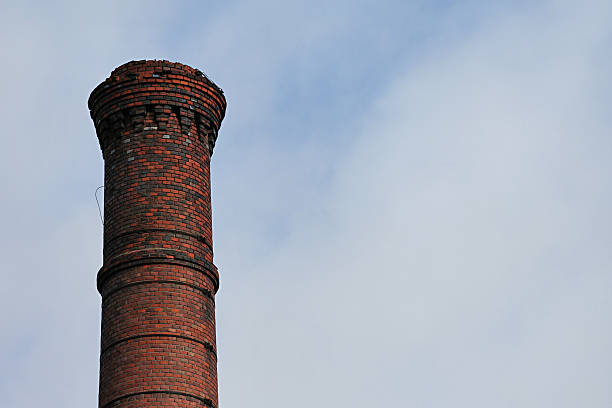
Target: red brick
157, 125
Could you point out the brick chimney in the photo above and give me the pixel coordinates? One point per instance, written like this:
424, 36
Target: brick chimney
157, 124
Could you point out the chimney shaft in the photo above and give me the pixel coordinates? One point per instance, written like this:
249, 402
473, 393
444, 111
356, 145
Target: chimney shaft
157, 124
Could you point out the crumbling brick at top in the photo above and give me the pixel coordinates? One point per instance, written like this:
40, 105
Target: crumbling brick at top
157, 124
161, 87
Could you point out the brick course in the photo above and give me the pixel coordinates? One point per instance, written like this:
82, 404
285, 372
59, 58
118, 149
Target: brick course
157, 125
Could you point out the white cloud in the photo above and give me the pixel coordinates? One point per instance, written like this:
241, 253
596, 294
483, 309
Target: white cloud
463, 257
437, 236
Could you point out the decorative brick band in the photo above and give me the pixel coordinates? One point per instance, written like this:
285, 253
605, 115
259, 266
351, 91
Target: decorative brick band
160, 256
159, 87
206, 344
204, 401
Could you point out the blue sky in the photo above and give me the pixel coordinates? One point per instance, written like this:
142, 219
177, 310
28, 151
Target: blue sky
411, 199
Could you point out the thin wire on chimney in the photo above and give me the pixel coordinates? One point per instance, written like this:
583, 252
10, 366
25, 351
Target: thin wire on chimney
98, 202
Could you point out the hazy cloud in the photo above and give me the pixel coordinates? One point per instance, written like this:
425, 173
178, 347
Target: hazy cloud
411, 201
